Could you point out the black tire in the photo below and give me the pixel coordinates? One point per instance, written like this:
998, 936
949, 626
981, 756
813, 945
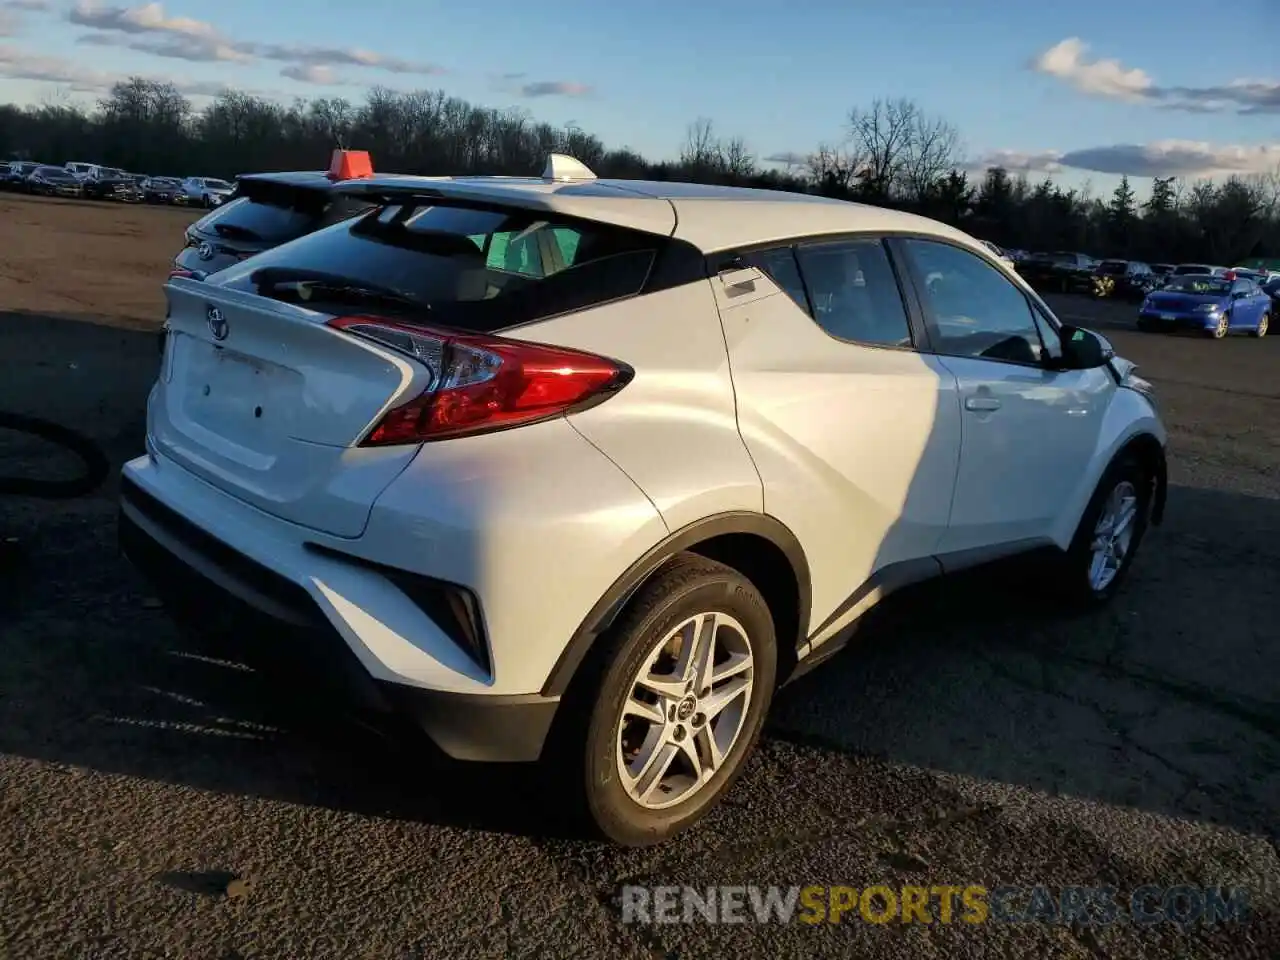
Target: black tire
93, 462
1075, 588
584, 749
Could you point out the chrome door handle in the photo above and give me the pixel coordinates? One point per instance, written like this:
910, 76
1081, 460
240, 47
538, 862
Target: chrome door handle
981, 403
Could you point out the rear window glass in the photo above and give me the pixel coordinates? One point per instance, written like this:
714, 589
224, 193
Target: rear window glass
479, 269
1112, 266
1193, 268
276, 220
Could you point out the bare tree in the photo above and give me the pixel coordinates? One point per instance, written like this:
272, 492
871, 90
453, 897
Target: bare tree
702, 152
833, 168
882, 136
932, 151
737, 160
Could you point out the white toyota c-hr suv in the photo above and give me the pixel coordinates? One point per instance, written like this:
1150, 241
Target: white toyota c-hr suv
579, 471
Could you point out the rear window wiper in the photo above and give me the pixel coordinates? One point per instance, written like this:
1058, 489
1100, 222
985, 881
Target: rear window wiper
318, 285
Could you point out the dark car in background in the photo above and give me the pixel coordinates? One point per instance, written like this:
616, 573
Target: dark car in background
14, 174
1163, 272
269, 209
1128, 279
52, 181
1198, 270
111, 183
1061, 271
163, 190
1272, 289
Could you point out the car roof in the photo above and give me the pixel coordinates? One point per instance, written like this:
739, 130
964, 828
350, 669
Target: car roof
710, 217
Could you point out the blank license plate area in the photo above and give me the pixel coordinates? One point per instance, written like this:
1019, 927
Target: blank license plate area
239, 397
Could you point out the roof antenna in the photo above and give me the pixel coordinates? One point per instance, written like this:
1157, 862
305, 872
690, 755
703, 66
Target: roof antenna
563, 167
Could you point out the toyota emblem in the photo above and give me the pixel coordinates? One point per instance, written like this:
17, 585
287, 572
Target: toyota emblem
204, 250
217, 323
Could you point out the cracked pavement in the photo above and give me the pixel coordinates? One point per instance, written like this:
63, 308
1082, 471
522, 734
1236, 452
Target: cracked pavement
965, 738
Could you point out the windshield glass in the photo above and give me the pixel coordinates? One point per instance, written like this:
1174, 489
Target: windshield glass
217, 184
1199, 284
55, 173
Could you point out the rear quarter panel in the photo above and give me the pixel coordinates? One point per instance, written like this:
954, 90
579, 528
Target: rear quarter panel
674, 428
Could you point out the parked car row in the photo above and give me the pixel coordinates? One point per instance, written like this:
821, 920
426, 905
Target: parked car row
99, 182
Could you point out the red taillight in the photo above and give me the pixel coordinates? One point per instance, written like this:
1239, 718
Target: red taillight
181, 273
483, 383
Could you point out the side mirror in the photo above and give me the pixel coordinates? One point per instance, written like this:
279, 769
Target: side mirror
1083, 349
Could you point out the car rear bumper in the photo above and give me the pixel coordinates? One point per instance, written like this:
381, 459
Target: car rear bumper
309, 626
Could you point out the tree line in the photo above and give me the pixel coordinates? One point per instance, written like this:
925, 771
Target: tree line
890, 153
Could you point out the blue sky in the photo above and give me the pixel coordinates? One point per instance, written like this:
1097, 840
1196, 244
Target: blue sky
1086, 89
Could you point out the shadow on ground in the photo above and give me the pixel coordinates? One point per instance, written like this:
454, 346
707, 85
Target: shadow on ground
1163, 702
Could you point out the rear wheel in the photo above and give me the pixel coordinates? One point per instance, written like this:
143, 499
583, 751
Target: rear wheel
660, 723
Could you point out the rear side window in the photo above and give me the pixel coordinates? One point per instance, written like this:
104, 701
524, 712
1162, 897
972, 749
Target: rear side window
780, 266
854, 292
478, 269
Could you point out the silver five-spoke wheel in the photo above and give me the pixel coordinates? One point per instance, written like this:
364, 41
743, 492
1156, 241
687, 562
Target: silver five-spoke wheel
1113, 535
686, 710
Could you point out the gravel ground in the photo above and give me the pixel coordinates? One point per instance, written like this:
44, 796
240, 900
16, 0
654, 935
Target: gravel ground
153, 804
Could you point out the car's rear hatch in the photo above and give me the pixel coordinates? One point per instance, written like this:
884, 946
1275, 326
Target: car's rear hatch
271, 412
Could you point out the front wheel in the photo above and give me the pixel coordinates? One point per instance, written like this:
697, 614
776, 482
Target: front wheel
663, 719
1264, 322
1109, 534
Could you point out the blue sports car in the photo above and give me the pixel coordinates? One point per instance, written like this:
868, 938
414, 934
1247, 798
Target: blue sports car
1213, 305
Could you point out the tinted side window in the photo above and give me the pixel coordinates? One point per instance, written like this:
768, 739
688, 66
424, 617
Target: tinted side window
779, 265
854, 292
972, 309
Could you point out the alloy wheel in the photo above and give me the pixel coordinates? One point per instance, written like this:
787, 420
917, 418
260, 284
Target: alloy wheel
1113, 535
686, 710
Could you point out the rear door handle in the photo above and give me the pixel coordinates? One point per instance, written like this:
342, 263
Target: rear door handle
981, 403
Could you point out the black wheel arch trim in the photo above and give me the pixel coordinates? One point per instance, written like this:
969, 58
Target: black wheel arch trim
607, 608
1152, 450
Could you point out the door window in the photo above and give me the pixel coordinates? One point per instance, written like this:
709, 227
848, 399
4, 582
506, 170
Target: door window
854, 292
972, 309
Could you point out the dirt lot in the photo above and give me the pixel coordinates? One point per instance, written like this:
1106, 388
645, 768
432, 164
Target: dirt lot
967, 740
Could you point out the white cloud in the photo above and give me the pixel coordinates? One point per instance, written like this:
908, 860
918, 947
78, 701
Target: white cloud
1068, 61
149, 29
10, 24
1020, 161
30, 6
1164, 158
554, 88
313, 73
17, 64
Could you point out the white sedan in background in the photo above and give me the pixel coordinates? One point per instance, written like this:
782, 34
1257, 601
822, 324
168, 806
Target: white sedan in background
207, 191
